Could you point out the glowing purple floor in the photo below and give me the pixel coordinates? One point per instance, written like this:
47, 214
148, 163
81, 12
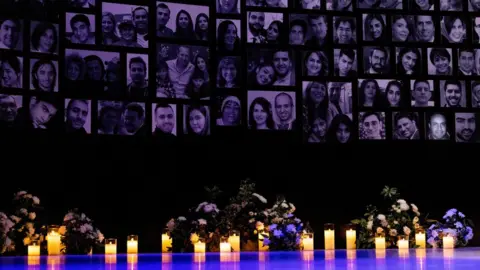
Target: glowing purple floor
460, 259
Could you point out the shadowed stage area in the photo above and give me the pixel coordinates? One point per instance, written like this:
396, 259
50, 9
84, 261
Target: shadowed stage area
465, 259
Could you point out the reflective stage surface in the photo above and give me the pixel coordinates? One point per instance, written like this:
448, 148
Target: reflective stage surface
462, 259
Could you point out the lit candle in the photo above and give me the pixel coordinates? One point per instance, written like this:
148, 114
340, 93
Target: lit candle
261, 246
34, 249
132, 244
53, 241
234, 240
351, 237
166, 242
307, 241
199, 247
448, 242
111, 246
420, 240
225, 247
380, 242
402, 243
329, 236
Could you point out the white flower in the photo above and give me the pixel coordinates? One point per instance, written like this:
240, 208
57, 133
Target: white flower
406, 230
265, 213
23, 211
32, 215
458, 225
202, 221
181, 218
404, 207
381, 217
369, 225
432, 242
36, 200
200, 206
415, 220
83, 216
8, 242
401, 201
3, 216
460, 214
284, 205
370, 217
251, 220
68, 216
100, 236
250, 213
414, 207
393, 232
261, 198
395, 222
297, 220
28, 196
434, 233
399, 210
277, 233
272, 227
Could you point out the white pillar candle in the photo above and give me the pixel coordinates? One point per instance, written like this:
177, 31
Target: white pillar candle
448, 242
329, 239
225, 247
351, 239
234, 241
166, 242
380, 242
420, 240
132, 244
402, 244
53, 243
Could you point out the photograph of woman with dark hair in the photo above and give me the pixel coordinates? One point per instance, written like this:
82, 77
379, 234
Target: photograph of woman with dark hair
200, 62
260, 115
228, 40
340, 130
44, 75
108, 29
374, 28
228, 6
454, 29
201, 26
369, 94
11, 71
227, 73
275, 32
315, 64
409, 61
393, 94
402, 28
197, 120
184, 25
44, 37
318, 129
418, 5
262, 75
75, 67
316, 104
440, 61
164, 85
197, 88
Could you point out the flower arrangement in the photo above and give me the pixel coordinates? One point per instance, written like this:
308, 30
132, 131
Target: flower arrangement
79, 235
284, 229
455, 225
19, 229
400, 219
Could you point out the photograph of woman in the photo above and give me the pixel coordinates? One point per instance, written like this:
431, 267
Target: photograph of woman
228, 75
374, 27
283, 112
393, 94
196, 120
440, 61
183, 21
454, 29
340, 130
44, 75
409, 61
369, 94
315, 64
44, 37
228, 39
402, 28
260, 115
228, 6
230, 111
108, 28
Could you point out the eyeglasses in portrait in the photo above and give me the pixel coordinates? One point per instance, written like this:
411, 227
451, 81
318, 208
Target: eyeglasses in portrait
424, 28
164, 121
438, 126
88, 70
11, 68
229, 36
229, 111
191, 21
467, 64
44, 75
376, 60
338, 5
454, 29
137, 75
9, 106
196, 122
44, 37
121, 118
475, 86
315, 64
371, 125
228, 72
403, 28
124, 25
466, 127
265, 28
409, 61
406, 126
345, 62
78, 116
228, 6
11, 34
453, 94
81, 3
41, 112
80, 28
187, 75
267, 3
271, 110
374, 27
344, 31
451, 5
270, 67
422, 93
380, 4
440, 61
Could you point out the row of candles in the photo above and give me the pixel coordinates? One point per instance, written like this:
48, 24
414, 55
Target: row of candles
232, 242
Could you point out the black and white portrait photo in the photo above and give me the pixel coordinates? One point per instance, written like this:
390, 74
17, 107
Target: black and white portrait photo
121, 118
196, 120
80, 28
9, 106
337, 5
439, 61
374, 27
78, 116
476, 30
124, 25
371, 125
376, 60
451, 5
271, 110
308, 4
271, 67
190, 22
424, 28
229, 111
345, 62
453, 94
466, 127
94, 69
438, 126
229, 72
298, 30
11, 69
394, 93
474, 5
475, 86
422, 93
40, 113
137, 75
187, 71
11, 34
44, 37
405, 126
315, 64
454, 29
344, 31
466, 62
228, 6
81, 3
164, 121
419, 5
318, 26
266, 28
228, 36
340, 129
403, 28
267, 3
370, 95
44, 75
380, 4
408, 61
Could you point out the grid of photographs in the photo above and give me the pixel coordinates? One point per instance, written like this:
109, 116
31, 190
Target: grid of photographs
334, 71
